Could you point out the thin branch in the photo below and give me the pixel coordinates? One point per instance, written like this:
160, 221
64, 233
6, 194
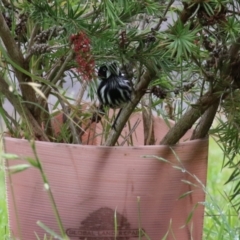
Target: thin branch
84, 85
233, 12
59, 72
51, 73
54, 76
31, 42
89, 14
163, 17
206, 75
74, 132
132, 130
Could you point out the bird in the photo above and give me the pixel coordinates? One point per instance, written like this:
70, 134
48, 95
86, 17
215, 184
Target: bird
114, 89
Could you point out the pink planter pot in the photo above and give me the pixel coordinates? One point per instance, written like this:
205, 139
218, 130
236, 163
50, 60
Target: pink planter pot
92, 184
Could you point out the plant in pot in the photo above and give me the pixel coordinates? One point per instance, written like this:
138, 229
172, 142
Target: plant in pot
179, 66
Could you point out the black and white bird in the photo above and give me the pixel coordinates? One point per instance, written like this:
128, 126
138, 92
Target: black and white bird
114, 90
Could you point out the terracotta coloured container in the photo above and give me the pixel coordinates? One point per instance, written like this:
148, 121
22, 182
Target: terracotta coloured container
107, 193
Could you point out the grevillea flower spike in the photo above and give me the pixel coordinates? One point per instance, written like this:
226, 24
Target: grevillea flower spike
83, 56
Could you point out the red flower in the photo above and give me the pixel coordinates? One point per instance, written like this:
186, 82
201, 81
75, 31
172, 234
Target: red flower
83, 55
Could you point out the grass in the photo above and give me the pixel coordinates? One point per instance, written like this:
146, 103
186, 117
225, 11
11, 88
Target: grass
221, 220
3, 206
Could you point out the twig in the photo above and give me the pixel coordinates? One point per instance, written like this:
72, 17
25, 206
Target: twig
74, 132
51, 73
54, 76
89, 14
46, 90
162, 18
131, 132
206, 75
233, 12
31, 42
81, 93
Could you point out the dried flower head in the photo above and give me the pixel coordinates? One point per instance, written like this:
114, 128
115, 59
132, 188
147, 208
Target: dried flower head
83, 55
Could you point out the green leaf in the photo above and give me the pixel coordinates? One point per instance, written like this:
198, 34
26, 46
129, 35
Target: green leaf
189, 218
50, 231
33, 162
185, 194
188, 182
9, 156
18, 168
